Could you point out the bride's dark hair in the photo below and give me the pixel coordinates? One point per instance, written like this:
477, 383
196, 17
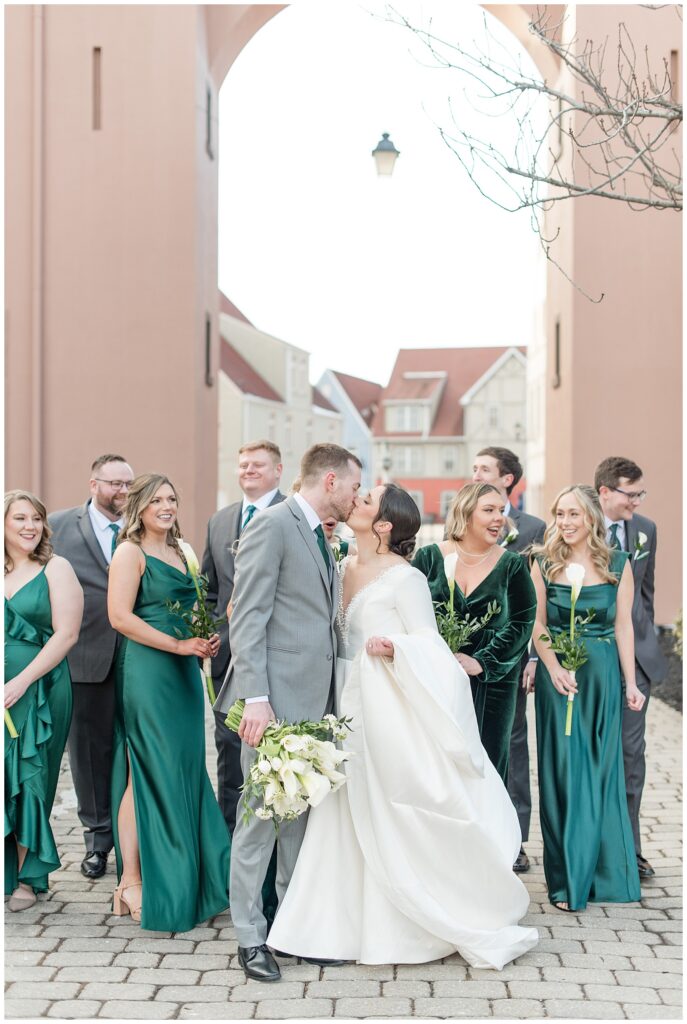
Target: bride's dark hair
398, 508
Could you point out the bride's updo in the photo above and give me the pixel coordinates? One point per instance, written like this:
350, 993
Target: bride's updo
398, 508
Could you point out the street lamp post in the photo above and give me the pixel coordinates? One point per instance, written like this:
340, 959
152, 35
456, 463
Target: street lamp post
385, 155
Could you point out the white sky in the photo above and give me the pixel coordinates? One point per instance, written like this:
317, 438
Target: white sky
318, 250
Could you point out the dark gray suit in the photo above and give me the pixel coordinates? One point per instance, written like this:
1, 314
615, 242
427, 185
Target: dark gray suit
218, 565
530, 531
91, 664
283, 647
650, 664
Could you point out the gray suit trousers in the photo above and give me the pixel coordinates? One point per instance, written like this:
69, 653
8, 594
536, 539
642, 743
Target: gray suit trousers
90, 758
251, 850
634, 747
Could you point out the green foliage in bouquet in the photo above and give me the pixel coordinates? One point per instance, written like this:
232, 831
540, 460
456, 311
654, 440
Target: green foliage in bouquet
456, 631
569, 644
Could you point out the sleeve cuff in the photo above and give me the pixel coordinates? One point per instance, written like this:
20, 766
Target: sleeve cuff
255, 700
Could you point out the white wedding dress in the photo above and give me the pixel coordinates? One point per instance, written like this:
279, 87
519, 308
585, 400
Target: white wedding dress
411, 860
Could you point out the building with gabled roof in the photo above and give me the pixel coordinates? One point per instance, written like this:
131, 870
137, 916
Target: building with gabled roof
265, 392
439, 408
357, 400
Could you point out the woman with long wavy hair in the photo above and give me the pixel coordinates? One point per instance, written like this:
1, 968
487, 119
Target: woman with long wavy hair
43, 610
589, 853
171, 841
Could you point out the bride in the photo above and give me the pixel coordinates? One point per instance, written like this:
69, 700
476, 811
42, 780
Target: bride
412, 860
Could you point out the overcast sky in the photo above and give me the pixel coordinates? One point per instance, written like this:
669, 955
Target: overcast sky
318, 250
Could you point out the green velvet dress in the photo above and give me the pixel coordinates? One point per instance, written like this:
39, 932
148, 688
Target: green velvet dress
32, 760
498, 647
160, 720
589, 852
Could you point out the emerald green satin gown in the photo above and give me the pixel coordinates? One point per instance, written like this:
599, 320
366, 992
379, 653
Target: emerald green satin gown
589, 852
32, 760
160, 720
499, 647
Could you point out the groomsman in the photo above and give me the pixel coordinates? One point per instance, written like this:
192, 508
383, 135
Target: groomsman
86, 537
621, 490
259, 472
502, 468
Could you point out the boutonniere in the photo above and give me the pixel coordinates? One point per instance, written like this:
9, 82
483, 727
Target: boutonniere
640, 544
510, 537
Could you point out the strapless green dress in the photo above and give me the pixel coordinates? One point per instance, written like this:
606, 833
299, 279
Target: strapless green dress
589, 852
499, 647
160, 720
32, 760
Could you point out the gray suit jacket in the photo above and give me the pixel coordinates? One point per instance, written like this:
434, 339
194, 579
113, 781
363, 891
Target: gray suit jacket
647, 651
282, 627
530, 530
218, 566
73, 537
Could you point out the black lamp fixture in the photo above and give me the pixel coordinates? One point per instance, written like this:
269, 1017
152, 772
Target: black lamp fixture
385, 155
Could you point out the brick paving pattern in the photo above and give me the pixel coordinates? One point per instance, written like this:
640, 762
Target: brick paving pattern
69, 958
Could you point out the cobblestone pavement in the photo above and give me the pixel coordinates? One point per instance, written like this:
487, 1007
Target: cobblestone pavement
69, 958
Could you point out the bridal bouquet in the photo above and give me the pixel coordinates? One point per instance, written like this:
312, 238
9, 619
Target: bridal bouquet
570, 643
455, 631
296, 766
199, 619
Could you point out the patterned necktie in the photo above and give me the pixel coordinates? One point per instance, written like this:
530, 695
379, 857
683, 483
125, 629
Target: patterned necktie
115, 530
615, 539
322, 545
250, 512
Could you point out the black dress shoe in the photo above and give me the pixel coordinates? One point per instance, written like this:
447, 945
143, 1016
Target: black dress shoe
644, 867
94, 864
522, 863
319, 962
258, 963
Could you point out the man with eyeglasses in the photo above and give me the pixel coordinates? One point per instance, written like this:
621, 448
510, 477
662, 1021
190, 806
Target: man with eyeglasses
621, 490
86, 537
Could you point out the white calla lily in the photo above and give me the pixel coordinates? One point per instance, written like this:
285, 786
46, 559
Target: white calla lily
190, 556
642, 538
575, 576
450, 562
316, 786
292, 743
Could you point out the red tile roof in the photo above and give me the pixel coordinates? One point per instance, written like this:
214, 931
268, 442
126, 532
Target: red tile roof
463, 366
243, 375
364, 394
227, 306
321, 402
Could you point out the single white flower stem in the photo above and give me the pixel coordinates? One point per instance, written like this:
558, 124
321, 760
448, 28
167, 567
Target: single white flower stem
10, 726
569, 710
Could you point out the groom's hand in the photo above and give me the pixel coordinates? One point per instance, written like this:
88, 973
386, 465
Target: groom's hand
256, 718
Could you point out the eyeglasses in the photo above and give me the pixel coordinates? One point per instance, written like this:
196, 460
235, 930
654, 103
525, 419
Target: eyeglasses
116, 485
632, 495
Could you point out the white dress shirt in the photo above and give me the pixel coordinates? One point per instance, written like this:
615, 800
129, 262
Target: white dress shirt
259, 504
622, 532
101, 527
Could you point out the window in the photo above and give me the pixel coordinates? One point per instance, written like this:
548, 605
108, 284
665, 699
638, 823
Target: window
445, 502
493, 416
556, 382
209, 380
308, 433
208, 123
288, 436
449, 459
405, 419
97, 88
419, 499
408, 460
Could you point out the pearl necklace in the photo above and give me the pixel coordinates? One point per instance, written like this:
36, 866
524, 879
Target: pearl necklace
471, 565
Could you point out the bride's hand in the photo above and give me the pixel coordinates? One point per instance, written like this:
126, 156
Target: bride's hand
379, 646
471, 665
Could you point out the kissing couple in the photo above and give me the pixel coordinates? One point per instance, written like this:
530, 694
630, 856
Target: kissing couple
411, 860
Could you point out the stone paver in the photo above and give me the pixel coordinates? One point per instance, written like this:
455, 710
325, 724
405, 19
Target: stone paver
69, 958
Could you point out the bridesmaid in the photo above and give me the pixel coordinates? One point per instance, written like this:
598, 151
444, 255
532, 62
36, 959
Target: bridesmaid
171, 840
485, 572
589, 853
43, 610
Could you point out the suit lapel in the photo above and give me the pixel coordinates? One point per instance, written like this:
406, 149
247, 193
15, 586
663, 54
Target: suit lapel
309, 537
630, 540
88, 534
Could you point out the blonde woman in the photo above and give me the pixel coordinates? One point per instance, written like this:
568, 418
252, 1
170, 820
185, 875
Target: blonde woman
589, 853
171, 841
43, 609
485, 572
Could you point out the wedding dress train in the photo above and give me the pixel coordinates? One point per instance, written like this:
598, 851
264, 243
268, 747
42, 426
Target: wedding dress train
412, 860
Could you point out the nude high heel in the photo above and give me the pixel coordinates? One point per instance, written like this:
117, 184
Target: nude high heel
120, 904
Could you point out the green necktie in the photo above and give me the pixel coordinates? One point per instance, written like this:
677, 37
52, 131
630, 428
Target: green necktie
250, 512
615, 539
115, 530
322, 545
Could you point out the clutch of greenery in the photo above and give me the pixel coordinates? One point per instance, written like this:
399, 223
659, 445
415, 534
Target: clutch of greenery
456, 631
199, 620
296, 766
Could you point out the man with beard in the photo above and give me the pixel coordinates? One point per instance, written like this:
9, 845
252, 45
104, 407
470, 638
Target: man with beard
283, 663
86, 537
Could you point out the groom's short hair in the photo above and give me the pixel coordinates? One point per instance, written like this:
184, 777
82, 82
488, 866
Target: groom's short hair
326, 458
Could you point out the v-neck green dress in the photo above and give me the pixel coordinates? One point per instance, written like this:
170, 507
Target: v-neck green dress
160, 720
589, 852
32, 760
498, 647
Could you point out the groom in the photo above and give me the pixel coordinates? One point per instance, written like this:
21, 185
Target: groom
283, 663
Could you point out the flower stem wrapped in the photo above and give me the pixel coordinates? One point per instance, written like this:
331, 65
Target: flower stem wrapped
10, 726
456, 632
